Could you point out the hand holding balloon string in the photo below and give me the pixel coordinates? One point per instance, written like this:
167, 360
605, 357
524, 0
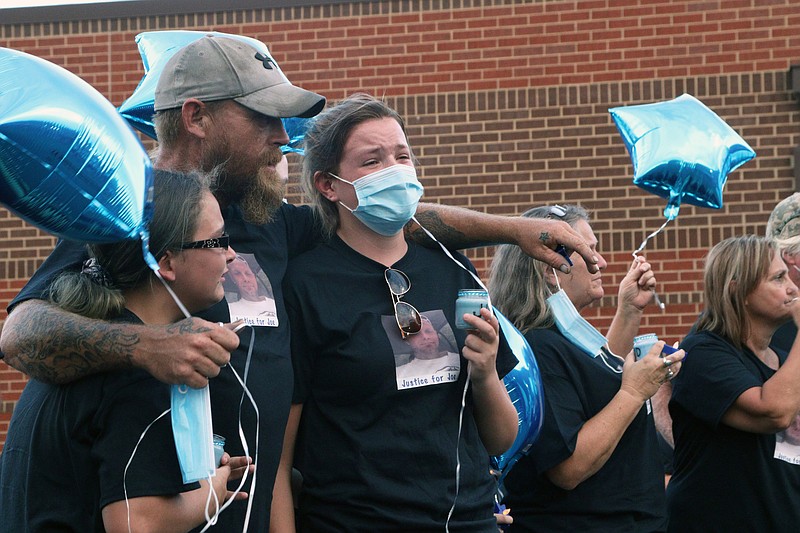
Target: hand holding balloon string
681, 151
658, 301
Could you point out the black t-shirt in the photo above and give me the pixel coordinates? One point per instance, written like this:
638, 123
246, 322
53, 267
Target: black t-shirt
784, 336
269, 373
626, 494
378, 435
726, 479
67, 448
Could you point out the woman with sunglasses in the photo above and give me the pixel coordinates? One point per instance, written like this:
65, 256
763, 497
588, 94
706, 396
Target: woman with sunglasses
735, 405
378, 452
595, 466
65, 462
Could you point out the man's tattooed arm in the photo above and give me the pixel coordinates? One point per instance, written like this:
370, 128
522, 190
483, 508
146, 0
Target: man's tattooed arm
57, 346
458, 228
429, 216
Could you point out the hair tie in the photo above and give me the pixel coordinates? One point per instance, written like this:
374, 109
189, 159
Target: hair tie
95, 271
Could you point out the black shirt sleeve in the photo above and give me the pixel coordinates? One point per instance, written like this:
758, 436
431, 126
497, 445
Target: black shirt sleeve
67, 255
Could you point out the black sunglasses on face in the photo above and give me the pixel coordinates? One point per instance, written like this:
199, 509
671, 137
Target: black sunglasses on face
218, 242
408, 318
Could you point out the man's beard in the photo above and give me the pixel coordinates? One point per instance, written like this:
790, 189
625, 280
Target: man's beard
256, 188
263, 198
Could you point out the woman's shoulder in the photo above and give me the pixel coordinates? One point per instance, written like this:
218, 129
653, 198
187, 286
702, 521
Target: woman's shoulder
550, 344
545, 336
435, 254
707, 351
706, 339
320, 257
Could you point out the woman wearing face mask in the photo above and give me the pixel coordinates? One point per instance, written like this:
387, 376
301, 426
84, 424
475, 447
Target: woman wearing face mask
378, 453
595, 466
735, 404
65, 462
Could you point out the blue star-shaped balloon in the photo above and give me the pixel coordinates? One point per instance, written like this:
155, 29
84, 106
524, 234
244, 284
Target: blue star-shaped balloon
156, 48
681, 151
69, 164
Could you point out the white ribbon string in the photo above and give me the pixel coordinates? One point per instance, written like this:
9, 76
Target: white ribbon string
458, 456
130, 460
242, 439
466, 383
211, 520
456, 261
658, 301
246, 391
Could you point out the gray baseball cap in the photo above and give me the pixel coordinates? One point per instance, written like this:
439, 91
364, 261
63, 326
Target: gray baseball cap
220, 68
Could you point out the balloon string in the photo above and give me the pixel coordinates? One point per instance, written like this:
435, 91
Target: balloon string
658, 301
243, 439
177, 300
644, 242
458, 439
456, 261
128, 464
245, 391
469, 373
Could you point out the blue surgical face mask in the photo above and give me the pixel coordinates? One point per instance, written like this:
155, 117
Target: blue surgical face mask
387, 199
191, 426
573, 326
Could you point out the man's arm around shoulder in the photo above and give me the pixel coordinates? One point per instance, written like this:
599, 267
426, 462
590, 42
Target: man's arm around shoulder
458, 228
56, 346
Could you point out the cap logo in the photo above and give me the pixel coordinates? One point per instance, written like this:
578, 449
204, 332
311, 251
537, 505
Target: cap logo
265, 60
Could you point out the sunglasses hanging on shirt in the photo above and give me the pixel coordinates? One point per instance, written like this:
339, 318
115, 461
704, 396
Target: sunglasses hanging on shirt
408, 318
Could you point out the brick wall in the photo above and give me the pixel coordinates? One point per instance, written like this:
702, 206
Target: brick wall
507, 106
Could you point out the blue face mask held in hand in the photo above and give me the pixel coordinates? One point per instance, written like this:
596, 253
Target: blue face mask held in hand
191, 426
387, 199
573, 326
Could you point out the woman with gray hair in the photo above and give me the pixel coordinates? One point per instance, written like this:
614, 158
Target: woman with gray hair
595, 466
735, 395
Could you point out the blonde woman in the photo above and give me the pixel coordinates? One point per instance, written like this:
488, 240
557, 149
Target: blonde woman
734, 406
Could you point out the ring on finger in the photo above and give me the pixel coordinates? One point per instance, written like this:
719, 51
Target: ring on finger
670, 374
667, 363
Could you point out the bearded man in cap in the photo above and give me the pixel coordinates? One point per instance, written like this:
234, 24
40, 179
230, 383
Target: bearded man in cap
219, 104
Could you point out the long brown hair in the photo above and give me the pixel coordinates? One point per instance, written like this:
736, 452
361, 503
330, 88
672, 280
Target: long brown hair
733, 270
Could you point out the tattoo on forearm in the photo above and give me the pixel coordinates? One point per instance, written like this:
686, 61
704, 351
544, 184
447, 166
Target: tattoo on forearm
58, 348
446, 234
185, 327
